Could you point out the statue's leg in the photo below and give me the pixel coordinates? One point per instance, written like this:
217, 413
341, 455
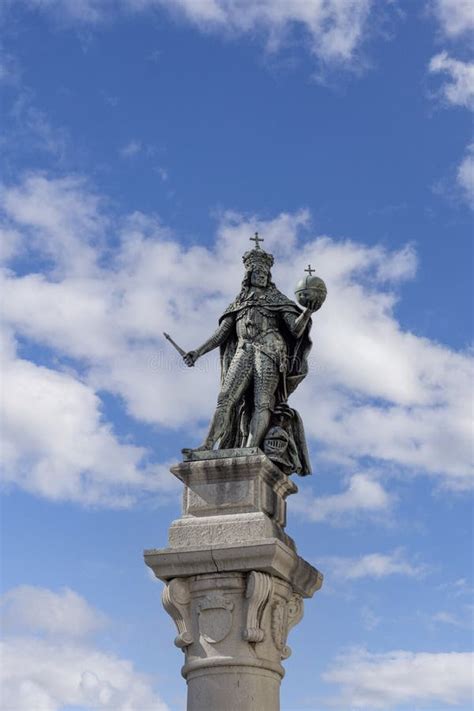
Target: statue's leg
266, 378
236, 381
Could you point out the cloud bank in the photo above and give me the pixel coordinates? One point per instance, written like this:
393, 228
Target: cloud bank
373, 565
384, 681
456, 20
332, 31
48, 664
459, 91
455, 17
108, 285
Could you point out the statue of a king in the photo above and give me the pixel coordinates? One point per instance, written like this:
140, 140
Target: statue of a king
264, 344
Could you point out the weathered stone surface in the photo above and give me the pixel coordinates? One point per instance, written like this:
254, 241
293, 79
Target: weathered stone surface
233, 629
234, 582
231, 499
198, 455
265, 555
224, 529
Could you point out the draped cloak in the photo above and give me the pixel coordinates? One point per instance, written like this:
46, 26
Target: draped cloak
292, 371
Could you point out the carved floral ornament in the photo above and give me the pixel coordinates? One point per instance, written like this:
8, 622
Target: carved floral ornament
285, 615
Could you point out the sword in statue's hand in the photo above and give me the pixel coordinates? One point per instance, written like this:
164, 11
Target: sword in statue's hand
173, 343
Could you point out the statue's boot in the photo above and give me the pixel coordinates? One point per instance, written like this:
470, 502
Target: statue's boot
189, 450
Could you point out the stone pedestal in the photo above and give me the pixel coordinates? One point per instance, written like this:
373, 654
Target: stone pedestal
234, 581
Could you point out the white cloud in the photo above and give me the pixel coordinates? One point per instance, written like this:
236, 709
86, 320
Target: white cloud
463, 618
363, 496
10, 243
57, 445
9, 70
39, 610
455, 17
55, 671
460, 89
60, 218
38, 674
465, 174
72, 11
374, 391
384, 681
52, 139
333, 30
132, 148
369, 619
26, 125
373, 565
162, 172
457, 588
83, 460
446, 618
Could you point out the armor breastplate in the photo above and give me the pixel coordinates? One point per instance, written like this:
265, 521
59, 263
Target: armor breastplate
255, 322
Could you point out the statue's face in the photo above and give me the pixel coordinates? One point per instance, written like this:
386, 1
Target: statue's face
259, 277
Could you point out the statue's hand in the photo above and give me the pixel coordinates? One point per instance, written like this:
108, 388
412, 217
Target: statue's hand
313, 305
190, 358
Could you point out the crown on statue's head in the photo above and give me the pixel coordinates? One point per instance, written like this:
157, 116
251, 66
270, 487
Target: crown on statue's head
257, 257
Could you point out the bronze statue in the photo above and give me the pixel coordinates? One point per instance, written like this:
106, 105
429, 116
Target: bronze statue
264, 344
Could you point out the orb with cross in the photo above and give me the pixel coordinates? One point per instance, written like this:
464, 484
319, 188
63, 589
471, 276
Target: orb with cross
310, 291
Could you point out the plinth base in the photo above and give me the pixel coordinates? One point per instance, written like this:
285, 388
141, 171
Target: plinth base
236, 589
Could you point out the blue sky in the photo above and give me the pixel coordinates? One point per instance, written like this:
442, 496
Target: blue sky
144, 141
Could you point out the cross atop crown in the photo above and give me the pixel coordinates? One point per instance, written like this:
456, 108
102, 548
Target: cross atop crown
257, 240
257, 256
310, 270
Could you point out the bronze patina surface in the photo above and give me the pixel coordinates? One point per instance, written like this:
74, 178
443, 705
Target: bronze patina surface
264, 342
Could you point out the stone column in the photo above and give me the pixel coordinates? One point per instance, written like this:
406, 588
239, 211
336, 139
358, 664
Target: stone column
234, 581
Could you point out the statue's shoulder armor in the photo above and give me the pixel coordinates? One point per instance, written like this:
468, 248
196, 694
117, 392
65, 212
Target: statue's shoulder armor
231, 309
273, 300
